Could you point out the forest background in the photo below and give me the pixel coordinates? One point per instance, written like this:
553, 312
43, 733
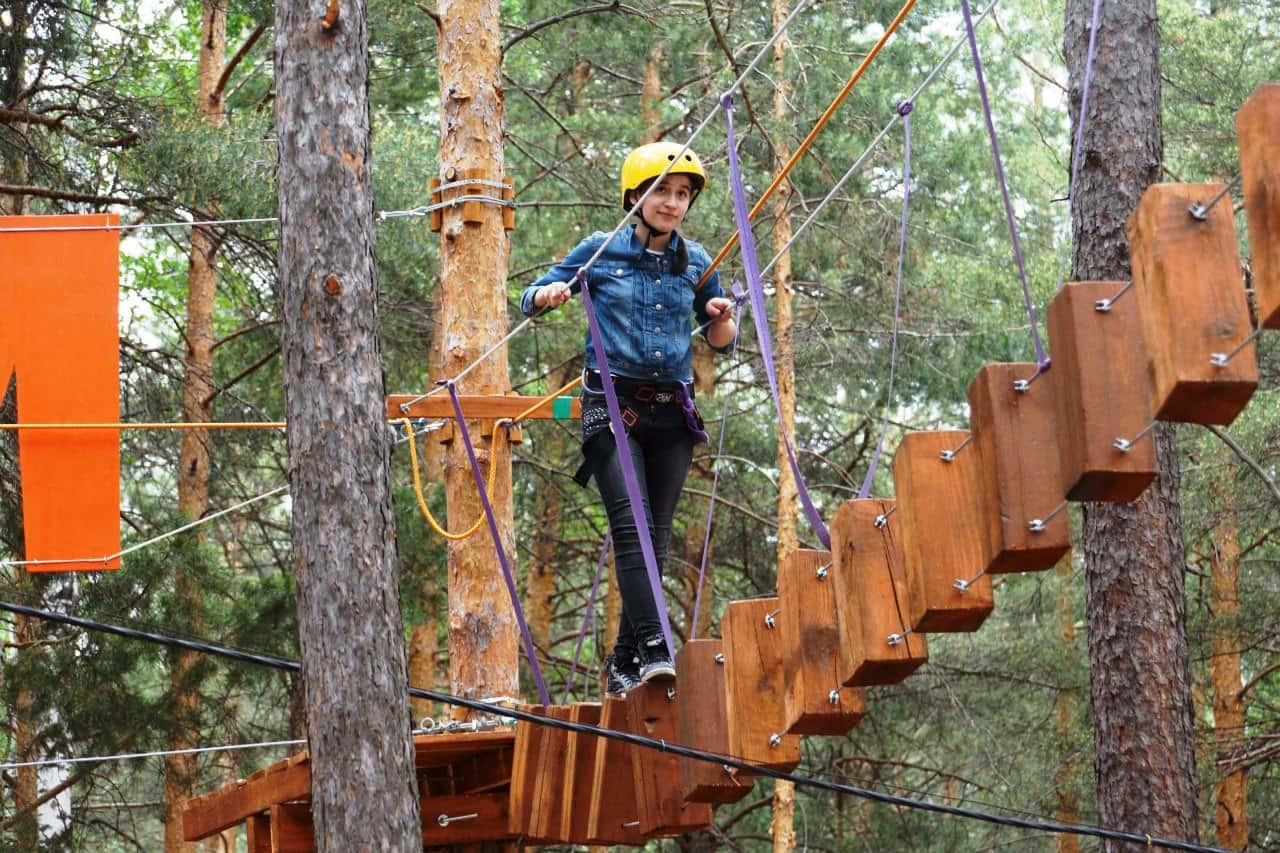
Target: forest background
100, 109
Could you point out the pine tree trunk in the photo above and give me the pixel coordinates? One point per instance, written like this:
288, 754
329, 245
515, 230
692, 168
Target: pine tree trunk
483, 635
1068, 807
1231, 815
354, 669
193, 465
1134, 559
784, 793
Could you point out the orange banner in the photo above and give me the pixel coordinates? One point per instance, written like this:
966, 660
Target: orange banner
60, 337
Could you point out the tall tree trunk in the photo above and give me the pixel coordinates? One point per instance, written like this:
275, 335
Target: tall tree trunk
354, 669
1134, 559
784, 793
483, 635
1231, 815
14, 169
1068, 807
424, 640
193, 463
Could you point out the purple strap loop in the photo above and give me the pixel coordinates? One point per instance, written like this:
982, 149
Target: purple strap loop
904, 110
628, 465
1042, 361
526, 637
759, 312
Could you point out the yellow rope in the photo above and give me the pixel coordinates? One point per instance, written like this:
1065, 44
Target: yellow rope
422, 501
544, 401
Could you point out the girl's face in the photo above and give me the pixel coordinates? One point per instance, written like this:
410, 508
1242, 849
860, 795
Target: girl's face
666, 206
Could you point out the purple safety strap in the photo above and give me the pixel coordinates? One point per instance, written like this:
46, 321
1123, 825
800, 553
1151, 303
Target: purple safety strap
739, 295
904, 110
627, 464
755, 289
1084, 98
527, 638
586, 620
1042, 361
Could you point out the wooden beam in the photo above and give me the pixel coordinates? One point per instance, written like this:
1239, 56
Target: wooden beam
282, 782
483, 407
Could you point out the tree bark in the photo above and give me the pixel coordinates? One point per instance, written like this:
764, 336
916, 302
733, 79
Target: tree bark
363, 788
483, 635
1134, 559
1231, 815
1068, 806
193, 461
783, 828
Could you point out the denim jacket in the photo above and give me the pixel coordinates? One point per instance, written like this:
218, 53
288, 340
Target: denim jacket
643, 308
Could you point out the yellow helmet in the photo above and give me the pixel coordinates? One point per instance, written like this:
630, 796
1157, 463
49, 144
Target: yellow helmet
648, 161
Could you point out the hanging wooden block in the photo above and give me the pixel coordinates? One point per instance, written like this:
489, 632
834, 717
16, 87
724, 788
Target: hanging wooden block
1190, 291
1015, 435
548, 792
524, 771
613, 816
816, 700
652, 711
941, 509
871, 596
1099, 367
1258, 127
704, 725
580, 763
756, 691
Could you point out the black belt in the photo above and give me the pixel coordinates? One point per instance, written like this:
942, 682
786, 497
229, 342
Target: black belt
640, 390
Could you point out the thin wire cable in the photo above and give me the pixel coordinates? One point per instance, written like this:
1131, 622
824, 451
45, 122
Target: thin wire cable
149, 542
162, 537
633, 739
807, 142
134, 756
875, 143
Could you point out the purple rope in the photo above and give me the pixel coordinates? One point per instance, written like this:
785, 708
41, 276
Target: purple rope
1084, 98
586, 621
904, 110
738, 295
527, 638
627, 463
1042, 361
760, 315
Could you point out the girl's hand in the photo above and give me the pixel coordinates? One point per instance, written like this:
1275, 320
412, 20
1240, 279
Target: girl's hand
720, 309
553, 295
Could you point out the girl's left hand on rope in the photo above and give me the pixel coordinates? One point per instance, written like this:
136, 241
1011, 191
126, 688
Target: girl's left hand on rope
720, 310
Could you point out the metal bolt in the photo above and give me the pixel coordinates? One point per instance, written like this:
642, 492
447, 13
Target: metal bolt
445, 820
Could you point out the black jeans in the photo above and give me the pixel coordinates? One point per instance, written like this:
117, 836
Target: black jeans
662, 448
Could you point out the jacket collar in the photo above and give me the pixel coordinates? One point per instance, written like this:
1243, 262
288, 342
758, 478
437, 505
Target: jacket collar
637, 247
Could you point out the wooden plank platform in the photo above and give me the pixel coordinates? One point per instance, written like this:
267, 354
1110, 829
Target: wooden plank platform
472, 760
614, 816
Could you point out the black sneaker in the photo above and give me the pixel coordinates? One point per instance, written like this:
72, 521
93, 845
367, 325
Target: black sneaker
655, 661
621, 674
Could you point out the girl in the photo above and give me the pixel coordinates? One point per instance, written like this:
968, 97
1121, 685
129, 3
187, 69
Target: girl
644, 287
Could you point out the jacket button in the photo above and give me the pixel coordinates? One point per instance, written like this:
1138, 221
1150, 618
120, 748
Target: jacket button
658, 306
657, 353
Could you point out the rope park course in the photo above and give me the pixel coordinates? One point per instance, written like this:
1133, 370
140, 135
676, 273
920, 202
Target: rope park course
1005, 481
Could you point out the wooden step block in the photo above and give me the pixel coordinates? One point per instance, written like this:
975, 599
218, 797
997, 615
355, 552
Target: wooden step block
580, 764
652, 711
816, 700
1191, 300
1100, 371
1016, 437
704, 725
941, 518
524, 771
613, 816
756, 685
548, 793
1258, 127
872, 608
